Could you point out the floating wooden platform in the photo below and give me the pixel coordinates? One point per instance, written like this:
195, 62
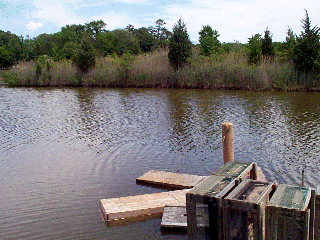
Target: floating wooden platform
150, 204
134, 206
169, 180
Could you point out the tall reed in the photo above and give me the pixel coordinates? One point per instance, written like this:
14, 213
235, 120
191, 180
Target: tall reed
229, 70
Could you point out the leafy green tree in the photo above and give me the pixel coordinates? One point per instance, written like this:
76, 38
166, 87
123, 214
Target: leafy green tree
70, 33
235, 46
267, 48
28, 49
179, 45
5, 58
104, 43
307, 48
94, 28
85, 58
130, 28
69, 50
11, 49
209, 43
146, 39
161, 33
123, 41
254, 49
125, 66
44, 44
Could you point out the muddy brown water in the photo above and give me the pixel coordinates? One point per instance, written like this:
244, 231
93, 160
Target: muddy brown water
62, 150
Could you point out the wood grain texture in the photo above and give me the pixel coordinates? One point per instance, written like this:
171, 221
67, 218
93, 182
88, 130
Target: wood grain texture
171, 180
134, 206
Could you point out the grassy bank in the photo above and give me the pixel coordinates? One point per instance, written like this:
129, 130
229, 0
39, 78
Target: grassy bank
230, 71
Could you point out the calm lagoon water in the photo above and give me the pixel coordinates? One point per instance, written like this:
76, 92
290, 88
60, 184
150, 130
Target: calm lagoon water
62, 150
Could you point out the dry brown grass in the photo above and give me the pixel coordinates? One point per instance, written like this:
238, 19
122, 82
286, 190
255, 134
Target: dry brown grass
229, 70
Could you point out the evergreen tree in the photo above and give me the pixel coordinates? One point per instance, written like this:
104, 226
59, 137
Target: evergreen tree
85, 58
179, 45
254, 49
289, 44
267, 49
209, 43
307, 48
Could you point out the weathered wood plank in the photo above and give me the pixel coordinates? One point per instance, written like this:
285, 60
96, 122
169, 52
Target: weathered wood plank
176, 217
260, 174
317, 219
134, 206
169, 179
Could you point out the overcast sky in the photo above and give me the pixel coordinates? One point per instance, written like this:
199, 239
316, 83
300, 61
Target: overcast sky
234, 19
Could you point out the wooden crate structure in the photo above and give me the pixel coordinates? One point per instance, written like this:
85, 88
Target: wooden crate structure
317, 219
175, 217
238, 169
210, 193
291, 213
244, 210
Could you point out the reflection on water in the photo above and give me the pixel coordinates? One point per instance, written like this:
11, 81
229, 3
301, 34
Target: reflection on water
62, 150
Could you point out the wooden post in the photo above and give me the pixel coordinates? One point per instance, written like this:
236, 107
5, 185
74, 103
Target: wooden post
227, 141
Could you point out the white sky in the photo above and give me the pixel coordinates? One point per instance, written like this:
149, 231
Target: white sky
234, 19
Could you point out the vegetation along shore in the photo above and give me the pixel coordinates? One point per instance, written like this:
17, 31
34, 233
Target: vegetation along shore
89, 55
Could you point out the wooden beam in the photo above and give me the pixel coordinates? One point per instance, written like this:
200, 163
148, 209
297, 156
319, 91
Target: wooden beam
169, 180
227, 141
175, 217
134, 206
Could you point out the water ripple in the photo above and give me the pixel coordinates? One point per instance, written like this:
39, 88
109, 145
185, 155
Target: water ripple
62, 150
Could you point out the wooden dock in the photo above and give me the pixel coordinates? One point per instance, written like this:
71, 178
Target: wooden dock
150, 204
169, 180
134, 206
173, 206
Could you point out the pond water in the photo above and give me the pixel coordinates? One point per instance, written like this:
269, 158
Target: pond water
62, 150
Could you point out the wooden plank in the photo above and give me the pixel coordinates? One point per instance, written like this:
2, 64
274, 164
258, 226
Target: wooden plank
317, 219
260, 174
176, 217
134, 206
169, 180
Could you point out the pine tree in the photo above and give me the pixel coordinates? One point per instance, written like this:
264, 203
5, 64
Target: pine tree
307, 48
179, 45
254, 49
267, 49
85, 58
209, 43
289, 45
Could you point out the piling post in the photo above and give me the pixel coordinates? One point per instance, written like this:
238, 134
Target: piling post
227, 141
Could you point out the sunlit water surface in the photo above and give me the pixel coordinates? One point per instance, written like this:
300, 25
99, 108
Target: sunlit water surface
62, 150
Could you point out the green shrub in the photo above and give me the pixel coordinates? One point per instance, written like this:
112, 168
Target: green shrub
11, 79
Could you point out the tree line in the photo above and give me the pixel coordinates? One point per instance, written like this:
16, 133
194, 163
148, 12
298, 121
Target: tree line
301, 50
66, 43
83, 43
